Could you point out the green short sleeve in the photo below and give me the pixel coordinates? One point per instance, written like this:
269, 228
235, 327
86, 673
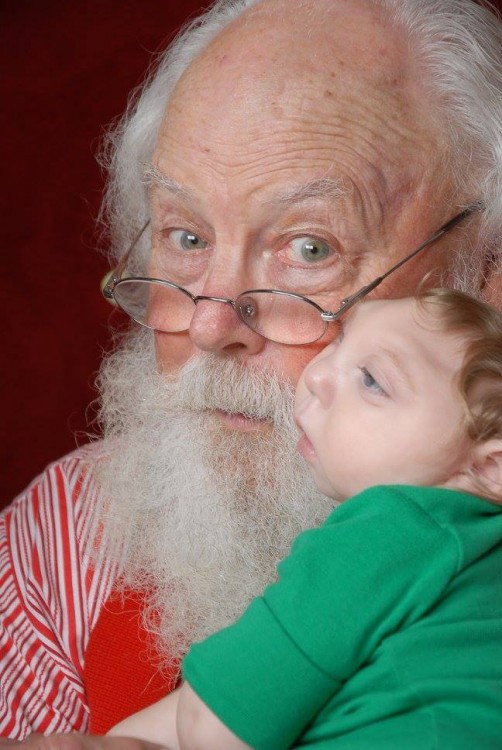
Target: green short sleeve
266, 696
379, 564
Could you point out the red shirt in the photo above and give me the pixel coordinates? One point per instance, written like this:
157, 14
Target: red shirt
63, 654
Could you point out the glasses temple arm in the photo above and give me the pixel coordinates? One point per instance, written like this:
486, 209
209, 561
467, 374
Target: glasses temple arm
348, 302
114, 275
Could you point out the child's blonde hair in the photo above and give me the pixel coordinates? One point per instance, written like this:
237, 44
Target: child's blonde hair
480, 378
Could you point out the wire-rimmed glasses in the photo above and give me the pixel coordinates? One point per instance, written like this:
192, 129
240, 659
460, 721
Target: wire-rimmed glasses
279, 316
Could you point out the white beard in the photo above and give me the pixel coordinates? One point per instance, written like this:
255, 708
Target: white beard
193, 513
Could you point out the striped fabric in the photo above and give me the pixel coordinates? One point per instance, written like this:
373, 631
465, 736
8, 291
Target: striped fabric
50, 599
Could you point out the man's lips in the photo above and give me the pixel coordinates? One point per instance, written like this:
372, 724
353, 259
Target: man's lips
238, 421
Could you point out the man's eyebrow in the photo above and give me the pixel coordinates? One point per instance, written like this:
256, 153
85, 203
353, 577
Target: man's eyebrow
153, 176
323, 187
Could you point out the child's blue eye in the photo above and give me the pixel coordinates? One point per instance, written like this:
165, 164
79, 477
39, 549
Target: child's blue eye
370, 383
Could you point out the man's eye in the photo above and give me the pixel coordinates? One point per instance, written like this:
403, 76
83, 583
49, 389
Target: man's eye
310, 249
187, 240
370, 383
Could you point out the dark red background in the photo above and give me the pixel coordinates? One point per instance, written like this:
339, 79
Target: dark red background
66, 71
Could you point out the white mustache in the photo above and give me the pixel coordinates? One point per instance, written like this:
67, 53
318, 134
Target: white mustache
208, 382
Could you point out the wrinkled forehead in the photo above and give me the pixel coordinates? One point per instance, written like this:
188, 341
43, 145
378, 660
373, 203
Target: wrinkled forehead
278, 97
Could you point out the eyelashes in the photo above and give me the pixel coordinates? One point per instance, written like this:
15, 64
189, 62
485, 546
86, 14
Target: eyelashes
370, 383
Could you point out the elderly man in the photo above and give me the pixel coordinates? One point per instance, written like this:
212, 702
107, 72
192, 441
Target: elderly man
300, 146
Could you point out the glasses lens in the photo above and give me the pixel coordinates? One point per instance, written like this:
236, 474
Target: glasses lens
281, 317
155, 304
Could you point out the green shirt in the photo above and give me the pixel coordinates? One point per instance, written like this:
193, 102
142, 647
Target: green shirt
384, 630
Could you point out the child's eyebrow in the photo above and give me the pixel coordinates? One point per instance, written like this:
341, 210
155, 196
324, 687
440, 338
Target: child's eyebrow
400, 362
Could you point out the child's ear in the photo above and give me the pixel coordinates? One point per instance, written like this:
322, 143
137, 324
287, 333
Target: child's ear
487, 467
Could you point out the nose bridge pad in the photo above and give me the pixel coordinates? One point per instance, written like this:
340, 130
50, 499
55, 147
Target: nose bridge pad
246, 309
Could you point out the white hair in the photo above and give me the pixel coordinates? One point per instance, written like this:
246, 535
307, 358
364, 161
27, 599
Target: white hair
128, 147
458, 45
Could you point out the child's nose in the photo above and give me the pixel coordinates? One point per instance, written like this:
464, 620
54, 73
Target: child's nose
320, 380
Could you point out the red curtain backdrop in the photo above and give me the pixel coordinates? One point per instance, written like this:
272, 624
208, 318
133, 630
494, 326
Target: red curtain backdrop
66, 71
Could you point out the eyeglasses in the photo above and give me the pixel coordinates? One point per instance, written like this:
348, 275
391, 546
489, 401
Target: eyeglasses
279, 316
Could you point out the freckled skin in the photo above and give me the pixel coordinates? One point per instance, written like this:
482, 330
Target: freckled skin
279, 99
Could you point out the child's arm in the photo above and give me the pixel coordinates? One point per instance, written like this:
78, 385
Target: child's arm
181, 721
157, 723
199, 728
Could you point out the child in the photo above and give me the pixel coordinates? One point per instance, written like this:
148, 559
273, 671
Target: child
384, 629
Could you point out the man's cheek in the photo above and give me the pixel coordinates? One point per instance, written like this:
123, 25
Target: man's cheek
295, 359
172, 350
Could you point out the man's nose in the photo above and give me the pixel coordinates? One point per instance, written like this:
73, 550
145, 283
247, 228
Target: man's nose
319, 378
216, 326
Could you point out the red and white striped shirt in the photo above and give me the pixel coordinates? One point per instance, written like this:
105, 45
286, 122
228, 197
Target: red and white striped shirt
50, 599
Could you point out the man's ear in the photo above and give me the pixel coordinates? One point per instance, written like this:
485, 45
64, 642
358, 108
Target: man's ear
486, 468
